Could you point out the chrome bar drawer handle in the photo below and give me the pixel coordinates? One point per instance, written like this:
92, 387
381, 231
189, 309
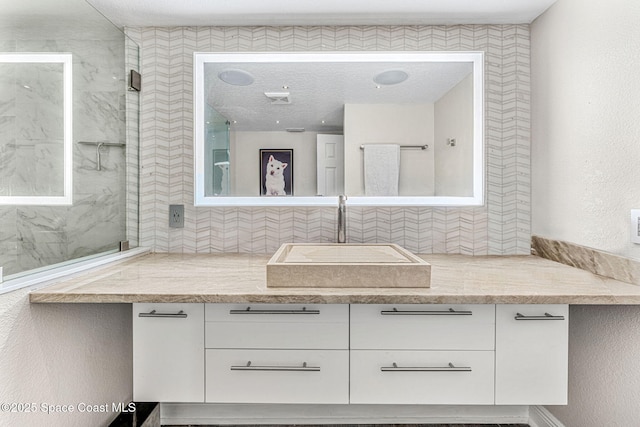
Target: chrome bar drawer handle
179, 315
248, 310
450, 312
546, 316
250, 367
449, 368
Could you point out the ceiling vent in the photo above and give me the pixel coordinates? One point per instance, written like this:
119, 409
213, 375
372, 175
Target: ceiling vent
294, 129
278, 98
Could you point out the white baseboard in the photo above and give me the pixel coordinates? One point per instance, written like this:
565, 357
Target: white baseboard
256, 414
539, 416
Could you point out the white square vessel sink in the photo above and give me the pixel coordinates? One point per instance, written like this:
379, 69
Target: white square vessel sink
346, 265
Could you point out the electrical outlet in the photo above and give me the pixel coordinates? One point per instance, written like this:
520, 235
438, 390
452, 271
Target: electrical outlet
635, 226
176, 216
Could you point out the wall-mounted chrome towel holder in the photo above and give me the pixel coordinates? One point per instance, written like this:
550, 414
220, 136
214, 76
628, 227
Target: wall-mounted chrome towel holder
422, 147
99, 145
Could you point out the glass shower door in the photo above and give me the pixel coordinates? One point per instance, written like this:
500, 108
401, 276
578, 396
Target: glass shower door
218, 182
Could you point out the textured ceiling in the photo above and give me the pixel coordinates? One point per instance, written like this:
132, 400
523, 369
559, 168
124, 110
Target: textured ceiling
318, 91
141, 13
38, 19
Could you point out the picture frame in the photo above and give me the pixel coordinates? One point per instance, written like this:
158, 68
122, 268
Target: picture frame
276, 172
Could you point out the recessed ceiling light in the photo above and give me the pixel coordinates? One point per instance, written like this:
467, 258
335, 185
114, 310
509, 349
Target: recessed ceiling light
285, 87
236, 77
390, 77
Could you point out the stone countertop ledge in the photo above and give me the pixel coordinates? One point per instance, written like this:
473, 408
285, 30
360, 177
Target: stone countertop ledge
241, 278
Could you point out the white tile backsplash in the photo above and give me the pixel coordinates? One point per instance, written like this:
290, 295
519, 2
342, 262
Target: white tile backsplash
502, 227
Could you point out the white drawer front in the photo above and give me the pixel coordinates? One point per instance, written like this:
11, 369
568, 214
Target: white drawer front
168, 352
422, 377
532, 354
423, 326
277, 326
277, 376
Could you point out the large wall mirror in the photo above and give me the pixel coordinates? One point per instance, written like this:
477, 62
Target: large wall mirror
299, 129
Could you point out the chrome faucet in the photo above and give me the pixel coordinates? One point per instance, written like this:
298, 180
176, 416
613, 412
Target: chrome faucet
342, 219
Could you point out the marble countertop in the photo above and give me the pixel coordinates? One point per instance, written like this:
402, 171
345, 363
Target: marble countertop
241, 278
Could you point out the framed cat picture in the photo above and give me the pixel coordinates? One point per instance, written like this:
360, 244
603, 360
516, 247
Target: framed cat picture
276, 172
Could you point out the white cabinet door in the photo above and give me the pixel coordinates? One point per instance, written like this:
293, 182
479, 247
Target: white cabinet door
422, 326
168, 352
531, 354
277, 326
278, 376
422, 377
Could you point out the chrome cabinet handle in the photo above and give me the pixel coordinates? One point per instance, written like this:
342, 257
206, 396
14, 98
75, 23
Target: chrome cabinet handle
248, 310
449, 368
546, 316
250, 367
180, 315
450, 312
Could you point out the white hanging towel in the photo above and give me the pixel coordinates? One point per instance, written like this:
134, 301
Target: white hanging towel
381, 169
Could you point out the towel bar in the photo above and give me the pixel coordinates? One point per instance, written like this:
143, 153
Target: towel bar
422, 147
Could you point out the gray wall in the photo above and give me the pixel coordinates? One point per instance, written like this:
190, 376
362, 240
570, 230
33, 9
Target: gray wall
63, 354
395, 124
585, 57
454, 164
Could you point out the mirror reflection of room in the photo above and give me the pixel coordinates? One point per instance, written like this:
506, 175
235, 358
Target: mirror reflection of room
355, 128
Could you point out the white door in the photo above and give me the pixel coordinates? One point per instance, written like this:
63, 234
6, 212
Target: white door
532, 354
168, 352
330, 165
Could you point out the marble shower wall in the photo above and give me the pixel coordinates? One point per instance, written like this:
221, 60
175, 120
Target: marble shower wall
31, 156
500, 227
36, 236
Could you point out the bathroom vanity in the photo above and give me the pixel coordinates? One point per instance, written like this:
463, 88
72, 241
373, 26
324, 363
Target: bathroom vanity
490, 332
447, 354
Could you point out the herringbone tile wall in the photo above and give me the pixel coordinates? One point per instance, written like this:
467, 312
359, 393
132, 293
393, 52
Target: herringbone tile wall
502, 227
132, 99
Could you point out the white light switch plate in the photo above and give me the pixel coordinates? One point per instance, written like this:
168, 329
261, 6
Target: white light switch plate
635, 226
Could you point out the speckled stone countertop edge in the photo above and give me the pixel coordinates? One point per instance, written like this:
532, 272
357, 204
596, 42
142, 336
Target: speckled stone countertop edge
593, 260
352, 299
240, 278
